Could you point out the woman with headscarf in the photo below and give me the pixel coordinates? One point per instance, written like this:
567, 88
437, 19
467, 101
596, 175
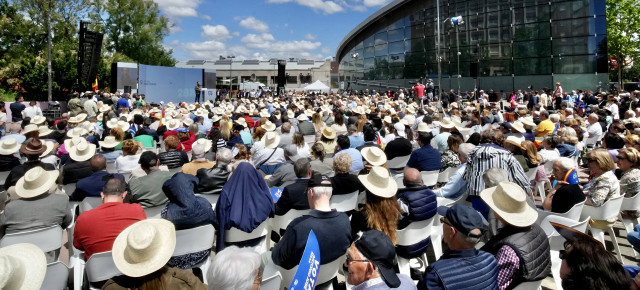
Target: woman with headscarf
245, 202
186, 211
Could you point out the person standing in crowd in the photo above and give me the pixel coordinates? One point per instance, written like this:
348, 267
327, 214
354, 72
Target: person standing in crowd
419, 88
16, 109
198, 89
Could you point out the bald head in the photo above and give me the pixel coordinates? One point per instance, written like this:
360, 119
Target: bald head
412, 178
98, 162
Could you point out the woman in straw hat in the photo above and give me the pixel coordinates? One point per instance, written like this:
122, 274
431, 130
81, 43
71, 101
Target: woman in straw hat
24, 267
381, 211
8, 147
107, 148
141, 253
328, 140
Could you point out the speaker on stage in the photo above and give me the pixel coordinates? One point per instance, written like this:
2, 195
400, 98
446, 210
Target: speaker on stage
473, 70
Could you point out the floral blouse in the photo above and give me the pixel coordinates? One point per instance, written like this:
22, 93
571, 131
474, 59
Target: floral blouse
603, 187
630, 182
449, 159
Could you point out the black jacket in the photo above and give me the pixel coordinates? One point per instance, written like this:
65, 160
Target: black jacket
345, 183
294, 196
398, 147
73, 171
210, 181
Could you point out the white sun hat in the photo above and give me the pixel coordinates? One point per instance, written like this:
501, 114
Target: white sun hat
9, 146
109, 142
49, 145
38, 120
269, 126
35, 182
144, 247
509, 201
44, 131
22, 266
379, 182
271, 140
77, 132
374, 155
82, 152
204, 142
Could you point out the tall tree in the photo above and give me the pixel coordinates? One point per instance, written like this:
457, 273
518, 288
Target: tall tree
133, 28
623, 31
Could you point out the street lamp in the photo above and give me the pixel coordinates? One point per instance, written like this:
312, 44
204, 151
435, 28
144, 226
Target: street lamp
456, 21
231, 57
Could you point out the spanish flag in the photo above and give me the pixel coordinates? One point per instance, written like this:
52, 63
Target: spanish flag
94, 86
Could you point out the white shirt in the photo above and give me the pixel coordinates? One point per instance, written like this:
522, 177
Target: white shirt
613, 108
548, 158
263, 154
31, 112
594, 132
125, 164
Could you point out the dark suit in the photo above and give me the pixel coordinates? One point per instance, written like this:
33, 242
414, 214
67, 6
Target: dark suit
92, 185
398, 147
294, 196
74, 171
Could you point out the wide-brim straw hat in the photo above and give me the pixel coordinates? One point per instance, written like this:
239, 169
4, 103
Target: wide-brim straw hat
105, 108
374, 155
9, 146
82, 152
29, 128
124, 125
109, 142
527, 121
303, 117
241, 121
447, 123
509, 201
73, 142
204, 142
515, 140
424, 127
329, 133
34, 147
291, 114
44, 131
36, 182
22, 266
38, 120
379, 182
144, 247
215, 118
269, 126
271, 140
49, 147
387, 119
112, 123
77, 132
264, 114
517, 125
173, 124
411, 110
187, 122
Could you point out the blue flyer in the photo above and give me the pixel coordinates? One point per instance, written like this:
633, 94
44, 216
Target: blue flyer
307, 274
276, 193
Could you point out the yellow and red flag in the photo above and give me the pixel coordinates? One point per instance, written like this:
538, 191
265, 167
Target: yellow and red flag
94, 86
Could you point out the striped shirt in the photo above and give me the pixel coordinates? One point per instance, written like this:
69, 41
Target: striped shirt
486, 156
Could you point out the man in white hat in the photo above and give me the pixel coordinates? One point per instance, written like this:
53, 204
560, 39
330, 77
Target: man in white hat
267, 152
8, 160
305, 127
520, 246
37, 206
78, 166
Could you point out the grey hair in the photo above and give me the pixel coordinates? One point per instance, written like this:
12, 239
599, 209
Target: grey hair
566, 163
234, 268
352, 129
323, 191
224, 156
197, 151
286, 127
291, 150
554, 117
494, 176
465, 148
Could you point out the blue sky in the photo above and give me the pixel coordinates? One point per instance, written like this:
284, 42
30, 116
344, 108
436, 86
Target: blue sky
262, 29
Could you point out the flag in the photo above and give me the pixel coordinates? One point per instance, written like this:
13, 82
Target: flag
94, 86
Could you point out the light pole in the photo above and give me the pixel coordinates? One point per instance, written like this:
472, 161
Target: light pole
456, 21
438, 51
230, 58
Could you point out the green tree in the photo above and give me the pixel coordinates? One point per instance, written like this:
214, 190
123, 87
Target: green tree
133, 28
623, 31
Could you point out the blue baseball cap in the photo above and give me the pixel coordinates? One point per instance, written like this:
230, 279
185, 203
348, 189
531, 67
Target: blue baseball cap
463, 218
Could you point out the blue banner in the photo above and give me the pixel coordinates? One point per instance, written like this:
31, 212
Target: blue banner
276, 193
307, 273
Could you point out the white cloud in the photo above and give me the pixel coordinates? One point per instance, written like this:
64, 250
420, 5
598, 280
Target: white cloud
235, 33
205, 17
262, 41
254, 24
216, 32
372, 3
179, 8
327, 7
326, 50
310, 36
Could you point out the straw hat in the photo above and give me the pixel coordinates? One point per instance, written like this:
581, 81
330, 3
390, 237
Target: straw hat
215, 118
424, 127
105, 108
73, 142
517, 125
379, 182
515, 140
48, 149
187, 122
82, 152
447, 123
411, 110
264, 114
35, 182
144, 247
387, 119
38, 120
374, 155
510, 202
109, 142
113, 123
204, 142
527, 121
34, 147
22, 266
9, 146
290, 114
29, 128
271, 140
173, 124
329, 133
303, 117
77, 132
241, 121
269, 126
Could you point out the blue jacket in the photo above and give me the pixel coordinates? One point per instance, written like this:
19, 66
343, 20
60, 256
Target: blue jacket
422, 205
462, 269
92, 185
426, 158
185, 210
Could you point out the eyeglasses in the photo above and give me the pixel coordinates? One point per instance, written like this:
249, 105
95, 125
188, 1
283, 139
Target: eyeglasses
442, 220
350, 260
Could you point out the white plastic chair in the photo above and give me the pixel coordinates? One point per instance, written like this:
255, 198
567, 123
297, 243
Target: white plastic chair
398, 163
56, 277
533, 285
89, 203
101, 267
630, 203
309, 139
573, 213
234, 235
556, 241
609, 210
430, 178
69, 188
3, 176
196, 240
47, 239
444, 175
212, 198
327, 272
154, 212
531, 174
345, 202
280, 222
411, 235
271, 278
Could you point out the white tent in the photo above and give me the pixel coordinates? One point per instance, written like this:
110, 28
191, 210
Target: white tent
317, 86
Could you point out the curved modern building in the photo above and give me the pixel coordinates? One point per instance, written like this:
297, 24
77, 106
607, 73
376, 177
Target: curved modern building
509, 44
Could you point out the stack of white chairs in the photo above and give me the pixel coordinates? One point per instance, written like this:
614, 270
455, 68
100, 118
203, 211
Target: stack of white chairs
607, 211
631, 204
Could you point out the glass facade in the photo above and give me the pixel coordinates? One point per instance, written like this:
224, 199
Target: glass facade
515, 44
